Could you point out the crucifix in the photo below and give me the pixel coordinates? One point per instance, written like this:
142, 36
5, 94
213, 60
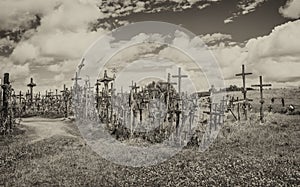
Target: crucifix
261, 85
31, 85
179, 76
244, 91
106, 80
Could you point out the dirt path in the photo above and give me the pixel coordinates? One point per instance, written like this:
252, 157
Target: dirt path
46, 128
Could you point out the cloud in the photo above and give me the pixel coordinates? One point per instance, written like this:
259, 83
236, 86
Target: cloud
291, 9
20, 13
60, 40
24, 52
64, 45
17, 71
215, 37
282, 43
244, 7
274, 56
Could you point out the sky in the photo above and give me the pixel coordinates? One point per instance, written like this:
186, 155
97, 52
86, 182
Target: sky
47, 39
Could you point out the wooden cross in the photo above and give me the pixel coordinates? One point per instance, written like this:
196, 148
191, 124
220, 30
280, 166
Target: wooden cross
20, 97
179, 76
261, 85
135, 88
31, 85
169, 83
76, 79
244, 91
65, 95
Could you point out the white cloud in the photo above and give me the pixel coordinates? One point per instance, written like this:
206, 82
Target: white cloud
275, 56
17, 72
244, 7
291, 9
65, 45
203, 6
215, 37
24, 52
60, 40
283, 42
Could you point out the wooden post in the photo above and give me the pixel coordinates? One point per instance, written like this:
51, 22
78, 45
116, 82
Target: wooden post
238, 110
97, 94
5, 101
261, 85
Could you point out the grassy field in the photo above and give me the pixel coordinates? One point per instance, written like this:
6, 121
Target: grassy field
245, 153
291, 96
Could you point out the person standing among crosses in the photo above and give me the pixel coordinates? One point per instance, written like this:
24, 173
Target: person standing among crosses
282, 102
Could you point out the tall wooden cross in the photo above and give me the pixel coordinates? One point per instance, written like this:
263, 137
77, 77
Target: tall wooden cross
76, 79
66, 98
169, 83
179, 76
31, 85
244, 91
261, 85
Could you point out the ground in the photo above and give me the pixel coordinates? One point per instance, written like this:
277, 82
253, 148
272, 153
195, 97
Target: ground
44, 152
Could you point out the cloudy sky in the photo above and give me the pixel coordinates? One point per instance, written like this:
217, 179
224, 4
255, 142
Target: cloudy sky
46, 39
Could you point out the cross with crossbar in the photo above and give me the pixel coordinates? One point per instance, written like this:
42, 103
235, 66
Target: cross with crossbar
261, 85
244, 91
179, 76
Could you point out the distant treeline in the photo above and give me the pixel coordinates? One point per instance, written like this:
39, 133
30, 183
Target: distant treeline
233, 88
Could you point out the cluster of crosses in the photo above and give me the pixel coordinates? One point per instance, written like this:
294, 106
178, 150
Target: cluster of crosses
155, 106
19, 104
244, 103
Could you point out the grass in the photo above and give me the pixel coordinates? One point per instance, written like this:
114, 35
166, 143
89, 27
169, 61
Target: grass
245, 153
